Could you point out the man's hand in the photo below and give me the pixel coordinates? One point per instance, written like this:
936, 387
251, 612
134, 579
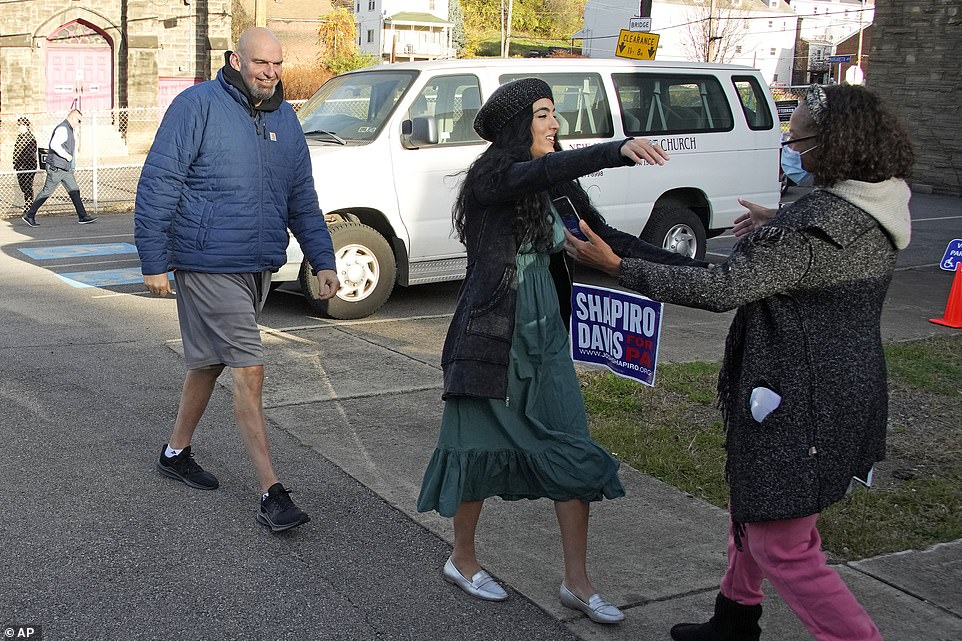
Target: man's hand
593, 253
638, 150
756, 216
327, 284
158, 284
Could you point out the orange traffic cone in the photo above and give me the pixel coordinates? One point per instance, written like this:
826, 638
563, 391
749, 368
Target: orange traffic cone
953, 307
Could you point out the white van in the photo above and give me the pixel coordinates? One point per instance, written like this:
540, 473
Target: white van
387, 145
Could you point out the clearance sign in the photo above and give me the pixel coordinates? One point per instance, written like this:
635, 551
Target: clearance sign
637, 45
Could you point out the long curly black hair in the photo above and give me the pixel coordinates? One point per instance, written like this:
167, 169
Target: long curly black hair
531, 226
859, 139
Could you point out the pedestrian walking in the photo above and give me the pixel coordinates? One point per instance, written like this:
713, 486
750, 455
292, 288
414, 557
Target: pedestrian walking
803, 386
60, 167
514, 423
226, 177
25, 160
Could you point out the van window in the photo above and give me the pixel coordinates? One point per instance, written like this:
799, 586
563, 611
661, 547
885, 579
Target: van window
664, 103
453, 102
580, 103
354, 106
753, 102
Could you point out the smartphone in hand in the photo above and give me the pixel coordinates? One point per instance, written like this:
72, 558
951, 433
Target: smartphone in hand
569, 216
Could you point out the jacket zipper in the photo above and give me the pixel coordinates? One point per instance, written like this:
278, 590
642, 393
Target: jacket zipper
258, 121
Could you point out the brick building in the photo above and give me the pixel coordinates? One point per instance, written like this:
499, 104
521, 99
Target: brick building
915, 66
106, 54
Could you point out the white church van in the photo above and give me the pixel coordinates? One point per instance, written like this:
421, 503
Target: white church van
387, 144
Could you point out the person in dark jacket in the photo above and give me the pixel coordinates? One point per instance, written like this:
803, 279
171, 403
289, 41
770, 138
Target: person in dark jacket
514, 422
61, 159
803, 386
25, 160
227, 175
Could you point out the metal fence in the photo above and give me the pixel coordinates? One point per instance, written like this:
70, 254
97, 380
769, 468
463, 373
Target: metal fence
786, 99
111, 148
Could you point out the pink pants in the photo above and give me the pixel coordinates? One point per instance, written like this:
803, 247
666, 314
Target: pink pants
789, 554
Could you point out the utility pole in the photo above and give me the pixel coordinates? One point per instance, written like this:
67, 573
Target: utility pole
501, 24
506, 28
858, 58
260, 13
710, 49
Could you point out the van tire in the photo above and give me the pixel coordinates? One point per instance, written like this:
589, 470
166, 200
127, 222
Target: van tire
677, 229
365, 267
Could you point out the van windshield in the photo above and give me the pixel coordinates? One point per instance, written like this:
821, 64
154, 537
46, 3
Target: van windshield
353, 107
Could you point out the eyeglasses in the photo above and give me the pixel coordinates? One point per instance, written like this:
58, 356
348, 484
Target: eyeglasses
794, 140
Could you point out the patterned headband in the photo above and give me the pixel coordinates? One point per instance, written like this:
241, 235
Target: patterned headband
817, 102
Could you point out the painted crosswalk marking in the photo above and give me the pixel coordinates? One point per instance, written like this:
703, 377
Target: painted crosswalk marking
104, 277
75, 251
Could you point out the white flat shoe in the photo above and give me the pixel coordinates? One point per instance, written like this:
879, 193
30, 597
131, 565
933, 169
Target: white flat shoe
597, 609
481, 586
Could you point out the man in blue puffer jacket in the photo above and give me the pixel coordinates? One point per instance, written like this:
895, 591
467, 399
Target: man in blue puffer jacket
227, 175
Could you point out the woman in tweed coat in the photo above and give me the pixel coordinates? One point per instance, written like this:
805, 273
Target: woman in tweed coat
803, 384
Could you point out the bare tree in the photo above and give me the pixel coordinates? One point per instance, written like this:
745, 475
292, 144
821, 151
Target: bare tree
715, 28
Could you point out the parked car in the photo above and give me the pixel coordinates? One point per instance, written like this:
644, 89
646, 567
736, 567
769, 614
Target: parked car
388, 145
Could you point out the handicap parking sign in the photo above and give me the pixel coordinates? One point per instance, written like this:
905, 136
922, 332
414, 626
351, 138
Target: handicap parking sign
953, 255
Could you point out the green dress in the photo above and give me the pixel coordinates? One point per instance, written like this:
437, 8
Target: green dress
534, 444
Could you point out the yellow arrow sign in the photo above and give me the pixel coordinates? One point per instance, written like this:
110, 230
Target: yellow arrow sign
637, 45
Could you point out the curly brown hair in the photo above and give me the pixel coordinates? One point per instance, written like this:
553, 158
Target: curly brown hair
859, 139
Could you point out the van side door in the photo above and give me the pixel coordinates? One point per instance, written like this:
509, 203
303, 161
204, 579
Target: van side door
435, 145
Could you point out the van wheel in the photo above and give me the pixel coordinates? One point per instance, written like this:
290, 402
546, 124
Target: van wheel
676, 229
365, 267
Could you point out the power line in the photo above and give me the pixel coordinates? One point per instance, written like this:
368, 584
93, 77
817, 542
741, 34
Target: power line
766, 17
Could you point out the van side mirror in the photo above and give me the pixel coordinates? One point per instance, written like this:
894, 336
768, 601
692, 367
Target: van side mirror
418, 132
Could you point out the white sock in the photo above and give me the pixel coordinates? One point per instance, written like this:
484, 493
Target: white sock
171, 452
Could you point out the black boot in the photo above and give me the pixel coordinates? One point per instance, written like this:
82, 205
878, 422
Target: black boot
731, 622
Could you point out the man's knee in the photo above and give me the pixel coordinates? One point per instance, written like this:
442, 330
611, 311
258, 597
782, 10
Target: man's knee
249, 376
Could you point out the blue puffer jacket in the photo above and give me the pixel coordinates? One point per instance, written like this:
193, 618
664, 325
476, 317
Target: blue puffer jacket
222, 184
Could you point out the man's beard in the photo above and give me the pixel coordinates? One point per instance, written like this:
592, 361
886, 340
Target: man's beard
262, 94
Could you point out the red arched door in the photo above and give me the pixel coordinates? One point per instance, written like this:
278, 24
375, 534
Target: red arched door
79, 69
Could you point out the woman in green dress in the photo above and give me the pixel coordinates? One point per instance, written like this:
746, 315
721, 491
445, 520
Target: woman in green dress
514, 422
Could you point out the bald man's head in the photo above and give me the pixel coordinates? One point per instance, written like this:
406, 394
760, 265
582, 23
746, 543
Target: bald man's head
259, 60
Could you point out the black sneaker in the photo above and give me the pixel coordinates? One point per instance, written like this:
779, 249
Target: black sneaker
183, 468
278, 511
29, 220
86, 220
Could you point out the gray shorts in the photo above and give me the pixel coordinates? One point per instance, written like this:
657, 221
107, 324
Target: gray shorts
218, 317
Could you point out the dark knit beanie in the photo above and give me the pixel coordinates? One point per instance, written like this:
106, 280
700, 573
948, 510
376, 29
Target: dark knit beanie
506, 102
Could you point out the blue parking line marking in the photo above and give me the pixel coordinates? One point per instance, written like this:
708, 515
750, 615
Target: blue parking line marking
104, 277
75, 251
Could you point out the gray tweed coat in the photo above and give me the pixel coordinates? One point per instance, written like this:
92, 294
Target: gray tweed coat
809, 288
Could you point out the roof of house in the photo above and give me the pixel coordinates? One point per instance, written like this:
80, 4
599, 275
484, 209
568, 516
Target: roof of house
415, 16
